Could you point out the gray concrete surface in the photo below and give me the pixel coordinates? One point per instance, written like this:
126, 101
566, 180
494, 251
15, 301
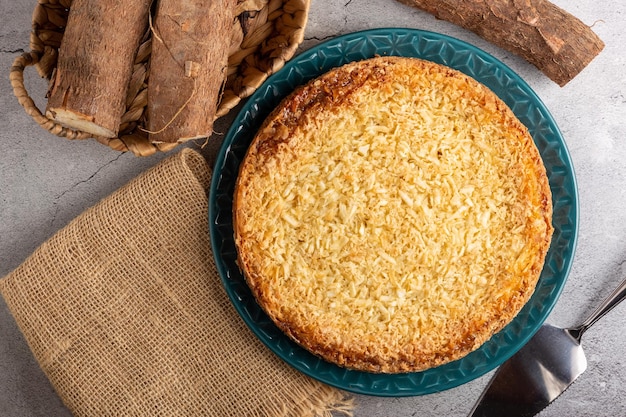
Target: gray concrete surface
46, 181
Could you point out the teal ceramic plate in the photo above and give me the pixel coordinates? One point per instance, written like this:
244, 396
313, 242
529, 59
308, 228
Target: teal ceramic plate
484, 68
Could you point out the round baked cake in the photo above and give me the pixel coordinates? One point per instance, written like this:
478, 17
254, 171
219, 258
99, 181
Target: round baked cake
392, 215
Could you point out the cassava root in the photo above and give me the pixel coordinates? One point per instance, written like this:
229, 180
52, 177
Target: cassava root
556, 42
190, 45
89, 86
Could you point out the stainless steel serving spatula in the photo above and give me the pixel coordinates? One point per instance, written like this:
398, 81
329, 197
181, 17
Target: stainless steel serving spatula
539, 372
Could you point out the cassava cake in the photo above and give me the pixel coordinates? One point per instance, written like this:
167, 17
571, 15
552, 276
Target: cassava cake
392, 215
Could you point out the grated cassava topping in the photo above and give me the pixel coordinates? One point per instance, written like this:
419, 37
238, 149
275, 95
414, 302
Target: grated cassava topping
392, 215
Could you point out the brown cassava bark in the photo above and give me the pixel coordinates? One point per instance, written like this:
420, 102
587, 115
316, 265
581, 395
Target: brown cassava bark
188, 66
89, 86
553, 40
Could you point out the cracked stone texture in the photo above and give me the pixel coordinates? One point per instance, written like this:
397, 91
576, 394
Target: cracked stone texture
46, 181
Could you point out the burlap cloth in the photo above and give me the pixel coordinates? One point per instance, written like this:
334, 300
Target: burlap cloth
126, 315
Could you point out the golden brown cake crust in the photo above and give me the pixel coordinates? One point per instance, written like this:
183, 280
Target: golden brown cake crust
392, 215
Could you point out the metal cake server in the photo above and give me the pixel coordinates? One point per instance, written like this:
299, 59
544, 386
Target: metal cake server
542, 370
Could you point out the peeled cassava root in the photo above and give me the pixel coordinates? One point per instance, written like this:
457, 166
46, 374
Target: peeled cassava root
557, 43
95, 64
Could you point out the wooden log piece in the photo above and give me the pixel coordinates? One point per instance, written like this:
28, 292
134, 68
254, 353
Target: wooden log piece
188, 65
89, 87
557, 43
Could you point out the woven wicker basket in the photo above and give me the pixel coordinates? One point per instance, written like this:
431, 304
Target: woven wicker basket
266, 34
